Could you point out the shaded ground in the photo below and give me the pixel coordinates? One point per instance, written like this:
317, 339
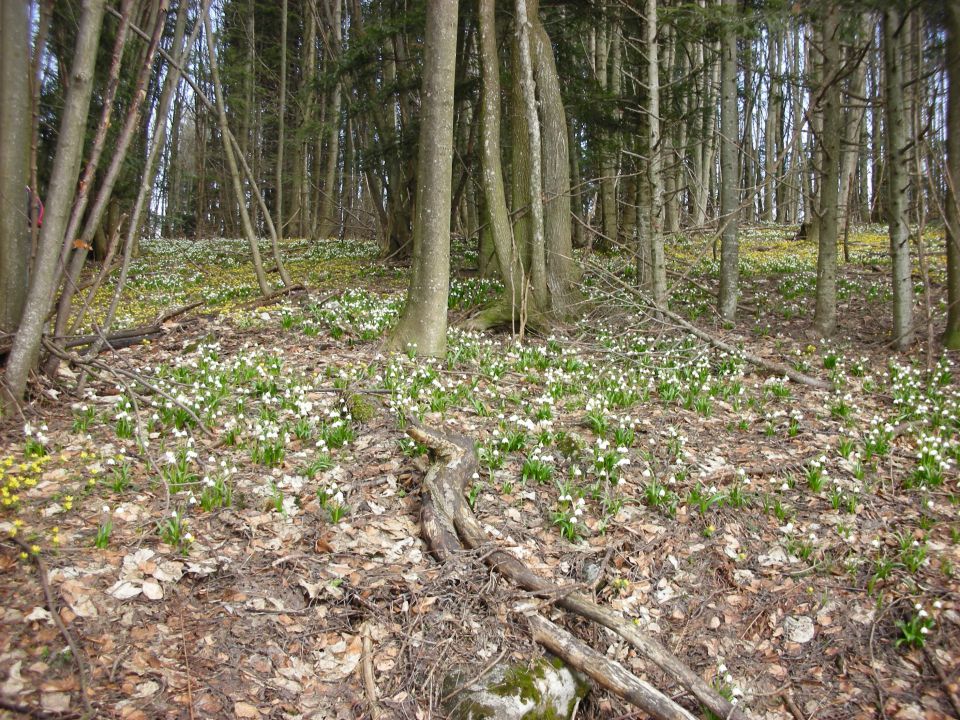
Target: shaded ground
791, 544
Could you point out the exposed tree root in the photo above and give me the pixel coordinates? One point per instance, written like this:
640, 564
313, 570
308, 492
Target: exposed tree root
449, 521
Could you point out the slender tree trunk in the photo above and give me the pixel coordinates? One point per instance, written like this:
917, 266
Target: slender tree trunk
423, 323
74, 255
608, 169
730, 184
495, 200
898, 180
771, 126
151, 165
658, 262
851, 140
538, 259
233, 171
281, 121
63, 180
328, 203
825, 317
15, 127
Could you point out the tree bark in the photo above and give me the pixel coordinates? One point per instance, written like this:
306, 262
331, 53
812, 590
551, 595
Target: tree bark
658, 263
898, 180
15, 125
328, 201
63, 180
825, 317
538, 258
281, 122
424, 320
729, 178
495, 199
951, 337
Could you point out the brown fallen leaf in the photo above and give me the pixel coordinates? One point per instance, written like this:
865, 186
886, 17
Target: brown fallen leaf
245, 710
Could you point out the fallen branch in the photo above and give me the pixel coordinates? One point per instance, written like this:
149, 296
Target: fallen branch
457, 461
769, 365
122, 338
273, 297
369, 682
774, 367
605, 672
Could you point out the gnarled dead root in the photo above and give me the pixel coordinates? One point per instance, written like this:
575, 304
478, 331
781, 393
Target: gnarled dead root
449, 524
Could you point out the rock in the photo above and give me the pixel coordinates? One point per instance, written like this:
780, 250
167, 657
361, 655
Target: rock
799, 629
543, 690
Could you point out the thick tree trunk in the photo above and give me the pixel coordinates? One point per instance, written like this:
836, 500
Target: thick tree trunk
898, 181
15, 127
825, 317
560, 267
423, 323
63, 181
729, 178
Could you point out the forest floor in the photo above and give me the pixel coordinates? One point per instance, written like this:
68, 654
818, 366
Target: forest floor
228, 523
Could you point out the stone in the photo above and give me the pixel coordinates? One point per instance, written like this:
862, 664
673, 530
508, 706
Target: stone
545, 689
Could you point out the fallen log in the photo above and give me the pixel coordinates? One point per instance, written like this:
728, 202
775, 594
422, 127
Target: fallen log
774, 367
457, 463
605, 672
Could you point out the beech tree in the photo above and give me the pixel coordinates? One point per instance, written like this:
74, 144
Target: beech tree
423, 323
14, 157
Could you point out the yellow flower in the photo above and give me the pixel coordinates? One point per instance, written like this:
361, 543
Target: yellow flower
23, 556
35, 549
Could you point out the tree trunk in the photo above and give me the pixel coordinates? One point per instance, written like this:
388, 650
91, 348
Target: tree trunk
328, 202
495, 200
951, 337
281, 122
560, 268
851, 140
771, 128
423, 323
825, 316
234, 172
538, 258
608, 169
63, 181
729, 179
658, 263
898, 180
15, 127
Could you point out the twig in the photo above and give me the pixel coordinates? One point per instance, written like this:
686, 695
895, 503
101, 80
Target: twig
58, 621
34, 712
944, 681
186, 665
475, 679
369, 682
792, 708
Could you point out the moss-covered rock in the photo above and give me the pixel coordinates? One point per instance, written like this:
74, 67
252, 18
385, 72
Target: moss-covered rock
545, 689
